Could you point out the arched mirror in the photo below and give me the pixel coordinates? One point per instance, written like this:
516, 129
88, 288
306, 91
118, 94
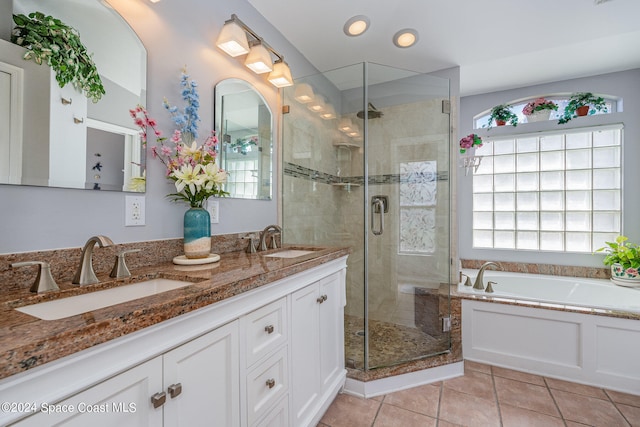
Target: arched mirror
59, 138
243, 124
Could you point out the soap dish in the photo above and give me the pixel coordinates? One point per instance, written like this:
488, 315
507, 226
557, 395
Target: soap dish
183, 260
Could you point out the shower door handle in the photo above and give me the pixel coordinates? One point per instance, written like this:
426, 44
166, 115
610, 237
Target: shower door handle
377, 206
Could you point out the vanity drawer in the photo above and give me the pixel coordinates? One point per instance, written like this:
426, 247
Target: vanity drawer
266, 384
265, 329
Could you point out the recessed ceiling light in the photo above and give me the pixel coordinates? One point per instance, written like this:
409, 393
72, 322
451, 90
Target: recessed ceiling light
405, 38
356, 25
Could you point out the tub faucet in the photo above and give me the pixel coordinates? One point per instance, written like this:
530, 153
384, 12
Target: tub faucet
478, 283
85, 274
270, 231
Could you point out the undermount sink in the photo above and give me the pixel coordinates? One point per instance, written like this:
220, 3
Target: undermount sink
289, 253
78, 304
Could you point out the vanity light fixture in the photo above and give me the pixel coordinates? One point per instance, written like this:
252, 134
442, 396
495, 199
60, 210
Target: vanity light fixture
304, 93
259, 59
356, 25
233, 40
405, 38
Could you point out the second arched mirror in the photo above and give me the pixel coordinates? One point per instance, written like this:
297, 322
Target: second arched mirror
244, 128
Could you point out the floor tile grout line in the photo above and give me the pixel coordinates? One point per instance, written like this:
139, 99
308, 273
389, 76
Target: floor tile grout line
615, 405
495, 395
544, 379
378, 411
439, 403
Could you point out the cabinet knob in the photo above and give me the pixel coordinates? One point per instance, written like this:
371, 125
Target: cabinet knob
158, 399
321, 299
174, 390
271, 382
269, 329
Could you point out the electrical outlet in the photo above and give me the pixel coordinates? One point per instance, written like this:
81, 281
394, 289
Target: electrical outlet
214, 211
133, 211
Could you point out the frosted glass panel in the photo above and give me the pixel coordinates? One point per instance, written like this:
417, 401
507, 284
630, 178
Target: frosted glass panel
482, 183
505, 202
527, 145
483, 220
606, 137
528, 162
527, 182
486, 166
606, 178
504, 147
552, 201
579, 159
527, 220
578, 242
505, 221
606, 221
578, 140
504, 164
483, 202
579, 180
578, 221
606, 200
551, 241
552, 142
607, 157
552, 180
552, 161
482, 239
505, 239
578, 200
504, 182
527, 240
552, 221
527, 201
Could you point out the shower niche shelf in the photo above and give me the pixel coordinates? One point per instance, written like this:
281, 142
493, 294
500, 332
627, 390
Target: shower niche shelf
346, 144
345, 185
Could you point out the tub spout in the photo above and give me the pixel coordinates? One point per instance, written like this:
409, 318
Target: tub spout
478, 283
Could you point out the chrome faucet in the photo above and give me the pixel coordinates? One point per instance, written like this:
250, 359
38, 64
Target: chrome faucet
85, 274
478, 283
270, 231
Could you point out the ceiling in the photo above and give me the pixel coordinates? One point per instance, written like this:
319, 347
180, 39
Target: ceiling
498, 44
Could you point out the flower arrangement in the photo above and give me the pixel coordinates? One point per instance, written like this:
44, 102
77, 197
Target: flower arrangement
192, 167
624, 253
53, 42
502, 114
582, 99
539, 104
243, 145
469, 141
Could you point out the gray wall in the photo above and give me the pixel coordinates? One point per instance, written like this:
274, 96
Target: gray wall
33, 218
624, 84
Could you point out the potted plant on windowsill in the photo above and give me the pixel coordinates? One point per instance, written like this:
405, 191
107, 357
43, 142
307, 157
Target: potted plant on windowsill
581, 104
539, 110
624, 259
502, 115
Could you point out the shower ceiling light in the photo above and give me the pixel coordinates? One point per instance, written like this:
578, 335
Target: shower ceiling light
303, 93
317, 105
345, 125
328, 113
259, 59
356, 25
405, 38
232, 38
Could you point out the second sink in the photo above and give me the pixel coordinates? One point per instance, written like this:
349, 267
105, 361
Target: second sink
289, 253
78, 304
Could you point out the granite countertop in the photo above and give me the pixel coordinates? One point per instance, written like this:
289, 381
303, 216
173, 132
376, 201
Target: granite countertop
27, 342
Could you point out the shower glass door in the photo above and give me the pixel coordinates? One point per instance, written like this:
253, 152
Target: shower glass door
365, 155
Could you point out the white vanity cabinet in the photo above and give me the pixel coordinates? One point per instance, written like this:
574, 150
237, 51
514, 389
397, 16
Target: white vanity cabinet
317, 347
187, 386
269, 357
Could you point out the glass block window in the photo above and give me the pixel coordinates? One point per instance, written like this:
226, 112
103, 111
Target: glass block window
242, 179
552, 191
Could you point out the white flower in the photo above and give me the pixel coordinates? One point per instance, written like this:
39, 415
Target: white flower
189, 176
214, 176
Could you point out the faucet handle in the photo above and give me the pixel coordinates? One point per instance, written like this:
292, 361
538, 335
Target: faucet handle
251, 247
44, 280
120, 269
273, 243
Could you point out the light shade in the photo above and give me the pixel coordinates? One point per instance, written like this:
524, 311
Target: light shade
233, 39
303, 93
405, 38
259, 59
356, 25
281, 74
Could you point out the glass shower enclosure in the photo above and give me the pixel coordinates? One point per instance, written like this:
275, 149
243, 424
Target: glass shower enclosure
365, 157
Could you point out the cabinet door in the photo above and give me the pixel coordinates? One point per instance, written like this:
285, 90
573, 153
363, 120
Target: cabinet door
124, 400
208, 371
331, 330
305, 351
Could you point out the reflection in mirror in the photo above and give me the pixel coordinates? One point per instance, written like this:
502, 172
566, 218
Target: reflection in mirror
56, 137
243, 125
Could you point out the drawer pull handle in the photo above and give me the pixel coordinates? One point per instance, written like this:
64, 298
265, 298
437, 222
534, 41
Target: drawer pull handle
321, 299
271, 382
269, 329
158, 399
174, 390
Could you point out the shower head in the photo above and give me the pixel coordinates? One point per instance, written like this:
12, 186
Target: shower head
372, 113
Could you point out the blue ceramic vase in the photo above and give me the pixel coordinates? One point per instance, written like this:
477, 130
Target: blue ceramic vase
197, 233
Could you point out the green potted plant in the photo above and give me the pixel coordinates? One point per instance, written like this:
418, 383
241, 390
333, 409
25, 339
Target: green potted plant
49, 40
502, 114
624, 259
581, 104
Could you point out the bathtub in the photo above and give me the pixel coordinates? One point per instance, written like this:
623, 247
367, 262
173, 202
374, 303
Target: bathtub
581, 330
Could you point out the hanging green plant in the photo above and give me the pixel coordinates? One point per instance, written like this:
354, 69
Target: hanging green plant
588, 100
49, 40
502, 115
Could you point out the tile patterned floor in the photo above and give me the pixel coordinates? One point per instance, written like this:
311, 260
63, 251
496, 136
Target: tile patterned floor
489, 396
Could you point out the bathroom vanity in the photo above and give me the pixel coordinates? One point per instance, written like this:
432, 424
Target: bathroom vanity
254, 341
